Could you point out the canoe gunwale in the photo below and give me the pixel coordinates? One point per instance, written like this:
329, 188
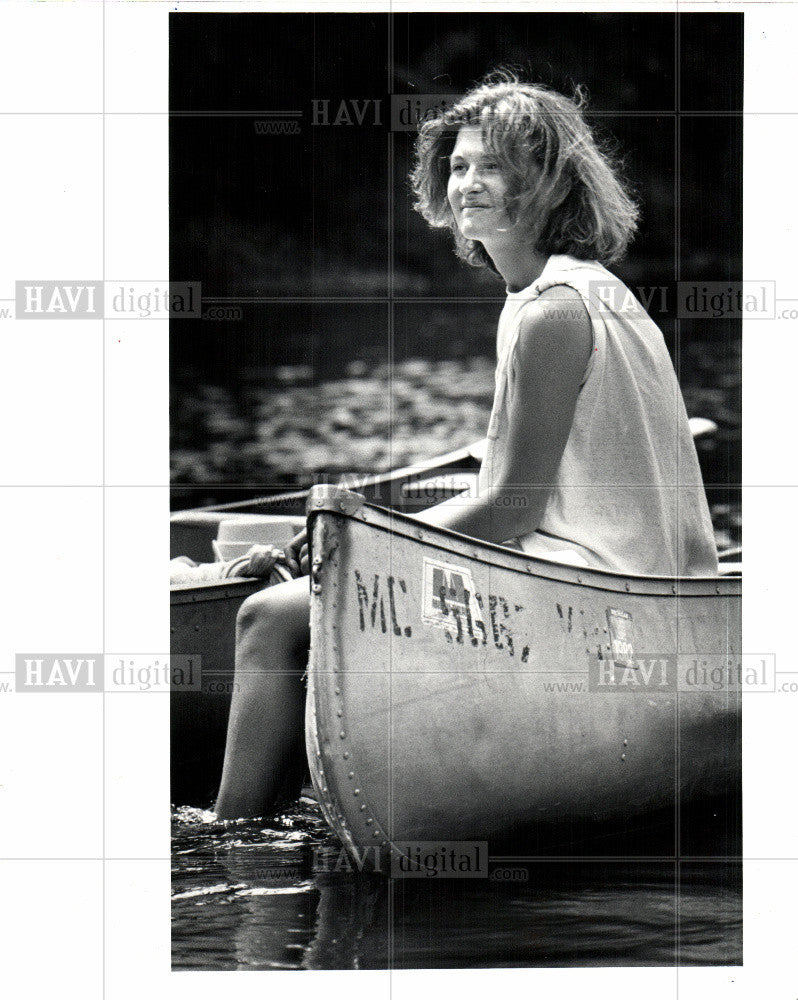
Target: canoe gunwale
467, 458
345, 503
214, 590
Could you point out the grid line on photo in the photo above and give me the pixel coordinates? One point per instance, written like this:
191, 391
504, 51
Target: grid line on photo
250, 114
104, 881
391, 354
677, 191
537, 858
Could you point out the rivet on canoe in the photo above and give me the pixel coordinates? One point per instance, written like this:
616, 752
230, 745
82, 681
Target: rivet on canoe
375, 833
362, 806
342, 734
356, 791
346, 755
369, 821
339, 713
338, 690
623, 756
626, 743
351, 775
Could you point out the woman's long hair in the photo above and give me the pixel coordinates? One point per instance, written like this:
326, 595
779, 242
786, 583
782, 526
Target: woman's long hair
564, 192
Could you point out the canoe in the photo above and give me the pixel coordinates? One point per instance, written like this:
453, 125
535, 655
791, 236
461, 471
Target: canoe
464, 691
203, 620
203, 616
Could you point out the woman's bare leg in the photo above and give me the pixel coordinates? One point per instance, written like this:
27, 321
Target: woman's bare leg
266, 727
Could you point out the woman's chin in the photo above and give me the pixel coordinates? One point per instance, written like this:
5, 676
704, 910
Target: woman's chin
472, 232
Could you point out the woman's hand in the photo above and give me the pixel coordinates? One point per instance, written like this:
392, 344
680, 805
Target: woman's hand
262, 559
259, 561
296, 554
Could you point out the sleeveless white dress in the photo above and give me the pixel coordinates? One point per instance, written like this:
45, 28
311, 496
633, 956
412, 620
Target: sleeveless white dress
628, 495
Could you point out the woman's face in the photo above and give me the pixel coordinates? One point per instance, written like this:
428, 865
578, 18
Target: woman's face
477, 191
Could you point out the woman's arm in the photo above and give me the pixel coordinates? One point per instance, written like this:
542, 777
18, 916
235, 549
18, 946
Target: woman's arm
549, 362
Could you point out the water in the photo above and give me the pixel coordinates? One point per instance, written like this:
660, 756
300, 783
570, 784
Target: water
286, 426
266, 895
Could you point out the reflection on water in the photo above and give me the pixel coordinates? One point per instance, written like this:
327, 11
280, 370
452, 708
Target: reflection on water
264, 895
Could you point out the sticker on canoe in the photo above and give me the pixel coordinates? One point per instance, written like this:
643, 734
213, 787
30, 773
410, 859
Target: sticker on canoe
619, 624
449, 599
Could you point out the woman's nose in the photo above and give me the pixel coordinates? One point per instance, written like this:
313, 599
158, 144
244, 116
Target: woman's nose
470, 180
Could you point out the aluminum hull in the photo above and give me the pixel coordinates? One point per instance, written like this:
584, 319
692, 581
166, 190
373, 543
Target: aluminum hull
468, 712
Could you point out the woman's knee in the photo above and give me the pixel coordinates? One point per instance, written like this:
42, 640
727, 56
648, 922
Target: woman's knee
257, 613
274, 611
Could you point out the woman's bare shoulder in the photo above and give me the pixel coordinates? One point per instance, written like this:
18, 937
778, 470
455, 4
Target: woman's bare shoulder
557, 317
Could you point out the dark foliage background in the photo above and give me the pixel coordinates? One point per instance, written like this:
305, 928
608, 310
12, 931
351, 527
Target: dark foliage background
336, 366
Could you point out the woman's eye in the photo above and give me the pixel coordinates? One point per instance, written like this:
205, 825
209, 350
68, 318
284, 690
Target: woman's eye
458, 168
490, 166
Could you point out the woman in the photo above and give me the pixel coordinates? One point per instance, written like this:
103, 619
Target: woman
589, 460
